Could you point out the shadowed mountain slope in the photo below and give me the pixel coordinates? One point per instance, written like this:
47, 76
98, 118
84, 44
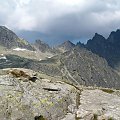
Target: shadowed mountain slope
107, 48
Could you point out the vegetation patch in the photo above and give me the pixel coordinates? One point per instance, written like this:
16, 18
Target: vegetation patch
110, 91
95, 117
40, 118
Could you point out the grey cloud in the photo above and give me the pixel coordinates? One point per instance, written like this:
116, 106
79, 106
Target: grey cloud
62, 19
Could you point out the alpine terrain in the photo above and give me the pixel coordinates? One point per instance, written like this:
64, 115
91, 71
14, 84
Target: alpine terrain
67, 82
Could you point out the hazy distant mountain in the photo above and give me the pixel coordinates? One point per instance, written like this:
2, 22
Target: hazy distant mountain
31, 36
41, 46
107, 48
9, 39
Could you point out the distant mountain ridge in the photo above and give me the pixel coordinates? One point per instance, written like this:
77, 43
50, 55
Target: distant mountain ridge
107, 48
78, 64
41, 46
9, 39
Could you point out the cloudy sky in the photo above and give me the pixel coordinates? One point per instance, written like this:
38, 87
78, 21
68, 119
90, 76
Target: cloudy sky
61, 19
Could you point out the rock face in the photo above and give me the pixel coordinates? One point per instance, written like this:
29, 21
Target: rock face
45, 99
38, 100
107, 48
98, 105
85, 68
9, 39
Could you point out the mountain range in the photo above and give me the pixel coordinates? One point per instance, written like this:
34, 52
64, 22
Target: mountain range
93, 64
66, 82
107, 48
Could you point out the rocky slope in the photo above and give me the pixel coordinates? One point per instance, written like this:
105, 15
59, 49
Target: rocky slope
41, 46
78, 66
9, 39
66, 46
10, 43
24, 95
74, 85
85, 68
42, 99
107, 48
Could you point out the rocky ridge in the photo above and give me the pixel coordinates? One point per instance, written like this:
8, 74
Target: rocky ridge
9, 39
107, 48
43, 47
78, 66
66, 46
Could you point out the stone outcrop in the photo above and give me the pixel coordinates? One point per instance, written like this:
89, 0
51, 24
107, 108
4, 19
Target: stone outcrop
39, 100
45, 99
98, 105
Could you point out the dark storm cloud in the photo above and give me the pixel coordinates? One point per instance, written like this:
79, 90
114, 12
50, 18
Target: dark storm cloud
63, 19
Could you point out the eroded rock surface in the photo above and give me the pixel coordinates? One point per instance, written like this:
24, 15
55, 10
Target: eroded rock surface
45, 99
98, 105
27, 100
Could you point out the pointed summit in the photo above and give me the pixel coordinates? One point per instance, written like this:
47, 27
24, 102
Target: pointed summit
66, 46
79, 44
114, 37
98, 37
96, 41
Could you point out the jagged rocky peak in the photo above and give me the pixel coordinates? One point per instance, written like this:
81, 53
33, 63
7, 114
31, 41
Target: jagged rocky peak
79, 44
107, 48
97, 38
68, 43
10, 40
41, 46
3, 28
114, 37
66, 46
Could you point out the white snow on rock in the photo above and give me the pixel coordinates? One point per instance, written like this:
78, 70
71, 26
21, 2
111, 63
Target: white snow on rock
3, 57
20, 49
50, 57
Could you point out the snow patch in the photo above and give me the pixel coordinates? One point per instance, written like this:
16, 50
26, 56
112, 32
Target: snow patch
20, 49
50, 57
2, 57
